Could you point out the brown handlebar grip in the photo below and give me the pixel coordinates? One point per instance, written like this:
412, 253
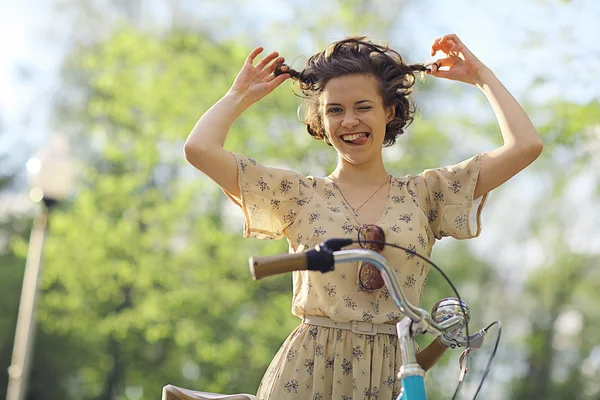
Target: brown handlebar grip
261, 267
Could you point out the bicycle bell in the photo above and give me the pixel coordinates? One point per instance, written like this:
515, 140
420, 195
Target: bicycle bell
450, 307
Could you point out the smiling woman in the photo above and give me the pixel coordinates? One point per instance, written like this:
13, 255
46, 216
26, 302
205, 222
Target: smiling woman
358, 101
355, 120
392, 80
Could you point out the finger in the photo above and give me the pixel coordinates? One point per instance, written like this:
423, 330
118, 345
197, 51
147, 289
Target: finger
435, 46
444, 62
261, 64
451, 36
439, 63
274, 64
445, 43
431, 66
439, 45
461, 51
253, 55
453, 49
273, 77
441, 74
277, 80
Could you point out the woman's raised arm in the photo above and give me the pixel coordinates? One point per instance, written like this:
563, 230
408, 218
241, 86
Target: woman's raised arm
522, 144
204, 145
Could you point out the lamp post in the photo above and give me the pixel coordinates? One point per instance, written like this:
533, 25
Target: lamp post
50, 176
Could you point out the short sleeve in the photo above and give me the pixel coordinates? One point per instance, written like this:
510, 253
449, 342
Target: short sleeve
271, 198
446, 195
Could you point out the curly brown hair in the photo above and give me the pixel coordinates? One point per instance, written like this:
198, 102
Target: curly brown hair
357, 55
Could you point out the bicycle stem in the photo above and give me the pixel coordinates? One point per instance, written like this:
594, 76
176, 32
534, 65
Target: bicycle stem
409, 366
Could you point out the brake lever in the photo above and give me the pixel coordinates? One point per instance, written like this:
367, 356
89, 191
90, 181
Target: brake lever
462, 363
475, 340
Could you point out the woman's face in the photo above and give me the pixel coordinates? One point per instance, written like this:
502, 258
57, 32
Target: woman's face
354, 117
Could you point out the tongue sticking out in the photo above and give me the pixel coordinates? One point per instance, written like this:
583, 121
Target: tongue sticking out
361, 140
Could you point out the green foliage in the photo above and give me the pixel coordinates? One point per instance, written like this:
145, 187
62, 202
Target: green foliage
143, 267
11, 276
570, 125
558, 349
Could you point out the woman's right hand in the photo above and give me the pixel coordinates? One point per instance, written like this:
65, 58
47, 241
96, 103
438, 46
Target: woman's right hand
256, 81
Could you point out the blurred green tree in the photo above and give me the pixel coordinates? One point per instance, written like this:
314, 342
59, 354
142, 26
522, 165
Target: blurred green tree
144, 267
560, 298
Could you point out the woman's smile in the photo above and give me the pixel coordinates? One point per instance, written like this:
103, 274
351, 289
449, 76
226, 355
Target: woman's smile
355, 139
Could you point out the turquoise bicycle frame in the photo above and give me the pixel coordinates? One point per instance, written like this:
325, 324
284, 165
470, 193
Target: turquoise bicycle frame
413, 388
411, 374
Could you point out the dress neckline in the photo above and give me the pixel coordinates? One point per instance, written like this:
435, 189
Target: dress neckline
348, 208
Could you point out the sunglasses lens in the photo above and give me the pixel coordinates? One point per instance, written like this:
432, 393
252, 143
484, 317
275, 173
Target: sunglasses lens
371, 233
369, 277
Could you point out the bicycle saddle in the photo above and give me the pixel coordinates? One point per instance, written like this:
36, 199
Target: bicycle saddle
171, 392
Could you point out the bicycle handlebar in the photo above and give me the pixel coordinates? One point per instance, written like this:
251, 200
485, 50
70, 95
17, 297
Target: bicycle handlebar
325, 256
262, 267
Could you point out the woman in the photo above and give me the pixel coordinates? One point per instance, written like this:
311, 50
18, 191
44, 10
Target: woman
357, 101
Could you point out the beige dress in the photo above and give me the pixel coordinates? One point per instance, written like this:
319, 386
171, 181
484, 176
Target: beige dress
326, 363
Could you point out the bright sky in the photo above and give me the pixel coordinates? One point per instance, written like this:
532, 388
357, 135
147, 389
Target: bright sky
551, 38
555, 39
28, 74
518, 39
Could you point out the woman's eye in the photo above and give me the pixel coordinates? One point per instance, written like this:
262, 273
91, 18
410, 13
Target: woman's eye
364, 108
334, 110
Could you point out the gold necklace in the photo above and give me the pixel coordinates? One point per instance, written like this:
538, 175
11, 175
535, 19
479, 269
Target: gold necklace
355, 210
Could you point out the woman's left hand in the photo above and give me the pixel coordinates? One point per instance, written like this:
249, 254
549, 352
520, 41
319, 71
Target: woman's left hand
459, 64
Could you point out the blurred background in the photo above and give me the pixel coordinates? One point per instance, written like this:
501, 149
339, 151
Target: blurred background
145, 279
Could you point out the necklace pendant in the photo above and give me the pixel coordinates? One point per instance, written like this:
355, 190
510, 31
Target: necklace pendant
355, 212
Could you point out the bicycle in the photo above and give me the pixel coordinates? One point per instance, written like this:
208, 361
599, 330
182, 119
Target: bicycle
447, 319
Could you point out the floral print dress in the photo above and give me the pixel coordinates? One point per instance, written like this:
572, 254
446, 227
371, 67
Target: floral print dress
318, 362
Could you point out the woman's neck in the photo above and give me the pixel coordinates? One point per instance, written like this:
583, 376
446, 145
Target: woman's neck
372, 173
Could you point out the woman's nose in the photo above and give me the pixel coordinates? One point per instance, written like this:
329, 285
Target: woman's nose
350, 120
